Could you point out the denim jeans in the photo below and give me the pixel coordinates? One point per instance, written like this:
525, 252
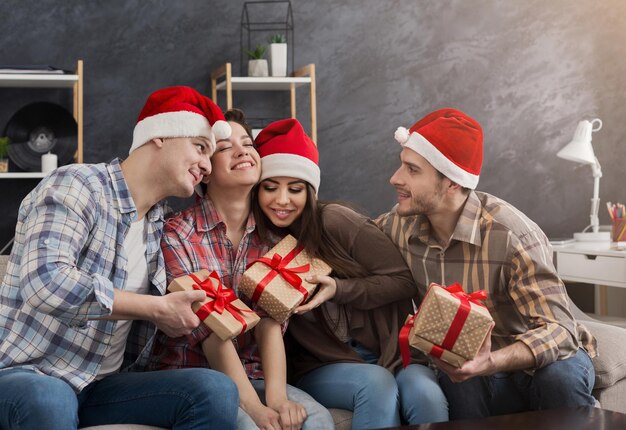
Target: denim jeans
177, 399
368, 390
563, 383
375, 397
318, 417
421, 398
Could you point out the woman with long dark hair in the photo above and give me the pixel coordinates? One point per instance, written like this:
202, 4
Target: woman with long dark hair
345, 339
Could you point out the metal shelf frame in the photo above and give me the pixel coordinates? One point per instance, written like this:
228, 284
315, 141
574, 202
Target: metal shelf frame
252, 26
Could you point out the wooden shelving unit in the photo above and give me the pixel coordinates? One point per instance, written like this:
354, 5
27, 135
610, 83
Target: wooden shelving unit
48, 80
222, 79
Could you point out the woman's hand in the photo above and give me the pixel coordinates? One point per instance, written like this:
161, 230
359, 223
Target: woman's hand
292, 414
265, 418
325, 292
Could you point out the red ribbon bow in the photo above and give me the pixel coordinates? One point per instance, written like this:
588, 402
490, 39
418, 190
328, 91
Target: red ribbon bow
277, 265
476, 297
222, 299
455, 327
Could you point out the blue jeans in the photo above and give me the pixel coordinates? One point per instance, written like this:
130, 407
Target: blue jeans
563, 383
318, 417
421, 398
368, 390
177, 399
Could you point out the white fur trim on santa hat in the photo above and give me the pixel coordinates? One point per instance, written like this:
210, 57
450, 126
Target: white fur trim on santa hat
172, 124
290, 165
423, 147
221, 130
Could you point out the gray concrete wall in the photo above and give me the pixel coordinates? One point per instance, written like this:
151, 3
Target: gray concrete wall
528, 71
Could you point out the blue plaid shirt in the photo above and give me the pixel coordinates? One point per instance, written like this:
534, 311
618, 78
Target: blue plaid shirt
66, 261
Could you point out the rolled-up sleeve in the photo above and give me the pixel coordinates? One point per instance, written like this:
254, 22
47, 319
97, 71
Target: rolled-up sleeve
57, 226
541, 299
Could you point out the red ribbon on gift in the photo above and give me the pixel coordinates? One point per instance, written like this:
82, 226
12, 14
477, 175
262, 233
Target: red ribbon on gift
455, 327
404, 340
222, 299
459, 319
277, 266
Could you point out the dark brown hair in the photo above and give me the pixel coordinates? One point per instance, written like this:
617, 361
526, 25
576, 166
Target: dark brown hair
236, 115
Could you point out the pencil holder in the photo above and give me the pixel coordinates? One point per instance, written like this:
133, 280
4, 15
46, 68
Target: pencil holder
618, 230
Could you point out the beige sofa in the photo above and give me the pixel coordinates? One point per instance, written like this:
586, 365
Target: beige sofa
610, 365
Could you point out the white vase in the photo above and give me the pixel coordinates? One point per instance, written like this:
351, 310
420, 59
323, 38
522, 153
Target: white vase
278, 58
257, 68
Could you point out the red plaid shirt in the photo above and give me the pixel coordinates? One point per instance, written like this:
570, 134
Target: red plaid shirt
193, 240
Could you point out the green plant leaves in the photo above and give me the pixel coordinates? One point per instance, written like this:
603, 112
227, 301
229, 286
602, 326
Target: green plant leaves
258, 52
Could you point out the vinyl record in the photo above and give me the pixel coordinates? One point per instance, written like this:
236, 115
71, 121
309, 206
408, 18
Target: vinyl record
39, 128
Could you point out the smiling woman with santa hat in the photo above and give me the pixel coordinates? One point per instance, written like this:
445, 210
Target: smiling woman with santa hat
343, 342
219, 233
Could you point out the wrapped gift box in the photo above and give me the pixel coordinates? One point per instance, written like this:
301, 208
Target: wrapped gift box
450, 324
221, 311
276, 281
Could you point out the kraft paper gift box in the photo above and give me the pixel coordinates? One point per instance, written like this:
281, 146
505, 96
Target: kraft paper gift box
449, 324
276, 281
221, 310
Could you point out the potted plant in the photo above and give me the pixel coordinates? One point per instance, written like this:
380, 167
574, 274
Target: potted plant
4, 153
257, 65
278, 54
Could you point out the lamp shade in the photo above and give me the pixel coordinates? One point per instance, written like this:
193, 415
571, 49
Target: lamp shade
580, 149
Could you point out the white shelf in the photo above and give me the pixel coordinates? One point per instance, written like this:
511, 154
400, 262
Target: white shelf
265, 83
22, 175
43, 80
222, 79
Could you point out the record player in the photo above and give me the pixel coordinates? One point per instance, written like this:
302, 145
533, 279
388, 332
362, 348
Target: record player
39, 128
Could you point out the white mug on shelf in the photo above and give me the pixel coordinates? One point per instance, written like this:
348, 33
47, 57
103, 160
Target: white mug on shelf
48, 162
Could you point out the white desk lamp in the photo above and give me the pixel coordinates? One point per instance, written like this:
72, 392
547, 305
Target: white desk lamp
581, 151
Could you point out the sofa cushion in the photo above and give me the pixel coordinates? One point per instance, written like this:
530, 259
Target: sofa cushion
610, 364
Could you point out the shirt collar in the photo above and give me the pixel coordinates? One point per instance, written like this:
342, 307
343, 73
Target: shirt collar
122, 197
467, 227
207, 217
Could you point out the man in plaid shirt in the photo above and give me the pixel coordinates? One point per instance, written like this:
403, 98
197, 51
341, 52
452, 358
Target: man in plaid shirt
83, 294
537, 356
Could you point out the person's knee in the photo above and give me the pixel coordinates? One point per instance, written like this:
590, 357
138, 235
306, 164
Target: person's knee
420, 380
210, 384
565, 376
422, 399
49, 397
379, 379
377, 391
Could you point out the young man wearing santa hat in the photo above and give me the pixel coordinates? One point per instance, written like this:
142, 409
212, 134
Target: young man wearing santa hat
85, 284
538, 356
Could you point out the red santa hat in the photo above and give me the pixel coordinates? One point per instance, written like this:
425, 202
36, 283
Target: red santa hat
286, 150
179, 112
450, 141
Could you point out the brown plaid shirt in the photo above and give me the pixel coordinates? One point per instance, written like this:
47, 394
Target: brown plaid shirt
497, 248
